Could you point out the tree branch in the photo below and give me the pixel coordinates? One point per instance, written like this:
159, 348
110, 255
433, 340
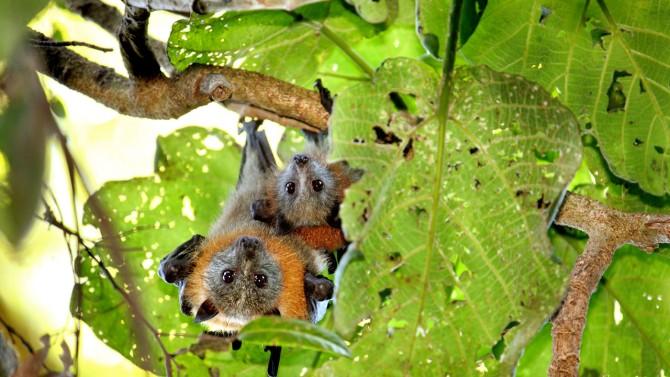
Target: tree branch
608, 229
210, 6
166, 98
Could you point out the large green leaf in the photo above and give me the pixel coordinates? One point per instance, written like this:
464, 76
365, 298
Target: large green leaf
288, 46
195, 170
626, 332
606, 61
292, 333
25, 121
511, 149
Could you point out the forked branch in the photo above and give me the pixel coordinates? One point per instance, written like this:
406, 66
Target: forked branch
608, 229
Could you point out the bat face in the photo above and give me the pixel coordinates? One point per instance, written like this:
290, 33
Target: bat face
243, 280
307, 191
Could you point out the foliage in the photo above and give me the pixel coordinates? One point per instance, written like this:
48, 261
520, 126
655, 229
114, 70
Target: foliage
605, 61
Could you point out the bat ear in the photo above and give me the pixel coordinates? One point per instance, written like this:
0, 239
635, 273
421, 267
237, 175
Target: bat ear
184, 304
261, 210
177, 265
318, 288
356, 174
206, 311
353, 174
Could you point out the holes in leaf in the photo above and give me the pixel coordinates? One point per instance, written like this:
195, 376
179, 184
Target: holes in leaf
546, 157
366, 214
477, 184
542, 203
642, 89
616, 97
544, 14
637, 142
659, 149
473, 150
498, 348
384, 137
598, 35
384, 295
408, 151
520, 193
398, 102
358, 141
394, 257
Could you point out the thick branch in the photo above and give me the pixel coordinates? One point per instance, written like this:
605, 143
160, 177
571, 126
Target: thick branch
209, 6
608, 229
165, 98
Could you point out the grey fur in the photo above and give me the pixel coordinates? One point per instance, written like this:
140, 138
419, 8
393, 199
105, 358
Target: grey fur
258, 165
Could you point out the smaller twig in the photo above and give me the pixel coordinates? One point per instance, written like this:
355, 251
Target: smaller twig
608, 229
15, 334
43, 43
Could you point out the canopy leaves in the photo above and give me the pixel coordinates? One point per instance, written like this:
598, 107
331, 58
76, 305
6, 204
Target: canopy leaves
606, 62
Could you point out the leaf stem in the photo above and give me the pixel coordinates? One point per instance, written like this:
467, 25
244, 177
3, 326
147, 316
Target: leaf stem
344, 46
442, 116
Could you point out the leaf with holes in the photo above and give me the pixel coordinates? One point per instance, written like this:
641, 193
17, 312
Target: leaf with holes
288, 46
195, 170
490, 282
605, 61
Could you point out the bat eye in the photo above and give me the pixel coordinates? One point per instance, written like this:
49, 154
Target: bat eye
290, 188
260, 280
317, 185
228, 276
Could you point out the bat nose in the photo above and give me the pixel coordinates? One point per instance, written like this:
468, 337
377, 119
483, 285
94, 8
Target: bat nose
249, 244
300, 159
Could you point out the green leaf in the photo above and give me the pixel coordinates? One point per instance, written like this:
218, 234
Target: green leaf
373, 11
613, 191
293, 333
195, 170
286, 45
602, 61
14, 15
24, 124
626, 332
432, 19
491, 265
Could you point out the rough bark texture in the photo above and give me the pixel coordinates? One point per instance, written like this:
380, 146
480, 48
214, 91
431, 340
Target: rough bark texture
166, 98
608, 229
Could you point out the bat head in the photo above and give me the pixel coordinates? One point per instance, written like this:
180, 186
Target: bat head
306, 191
243, 280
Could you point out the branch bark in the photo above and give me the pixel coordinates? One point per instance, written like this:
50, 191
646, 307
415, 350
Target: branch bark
209, 6
608, 229
166, 98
